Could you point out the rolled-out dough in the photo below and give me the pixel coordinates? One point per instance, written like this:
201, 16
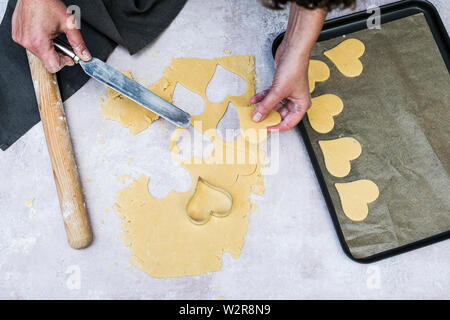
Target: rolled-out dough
163, 240
127, 112
318, 72
346, 57
322, 111
355, 197
338, 153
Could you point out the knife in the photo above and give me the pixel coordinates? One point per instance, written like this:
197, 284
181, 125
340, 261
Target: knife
112, 78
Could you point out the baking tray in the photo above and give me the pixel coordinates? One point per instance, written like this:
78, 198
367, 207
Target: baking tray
356, 22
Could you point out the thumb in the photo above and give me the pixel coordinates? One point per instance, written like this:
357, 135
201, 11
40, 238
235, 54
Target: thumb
78, 45
272, 98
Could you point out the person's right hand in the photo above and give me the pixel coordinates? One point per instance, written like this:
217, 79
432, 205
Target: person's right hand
289, 93
35, 23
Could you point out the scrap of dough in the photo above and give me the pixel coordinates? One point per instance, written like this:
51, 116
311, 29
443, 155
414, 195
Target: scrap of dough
127, 112
29, 203
162, 239
208, 200
355, 196
338, 153
322, 111
346, 57
318, 71
123, 178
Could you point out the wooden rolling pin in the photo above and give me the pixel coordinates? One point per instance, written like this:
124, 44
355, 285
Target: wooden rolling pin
67, 180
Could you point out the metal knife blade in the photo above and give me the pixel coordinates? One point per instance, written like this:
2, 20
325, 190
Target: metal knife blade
109, 76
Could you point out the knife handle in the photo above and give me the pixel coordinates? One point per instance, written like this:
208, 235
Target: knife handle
66, 49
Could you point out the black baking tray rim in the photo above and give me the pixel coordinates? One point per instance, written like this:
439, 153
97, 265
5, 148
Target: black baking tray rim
355, 22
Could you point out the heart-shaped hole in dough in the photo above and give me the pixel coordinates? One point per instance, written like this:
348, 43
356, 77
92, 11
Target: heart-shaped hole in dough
322, 111
190, 101
208, 200
318, 71
225, 83
355, 197
338, 153
229, 127
346, 56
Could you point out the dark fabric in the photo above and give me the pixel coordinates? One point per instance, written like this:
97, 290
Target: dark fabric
105, 24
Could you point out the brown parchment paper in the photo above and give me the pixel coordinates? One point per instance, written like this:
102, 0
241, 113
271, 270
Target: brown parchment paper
399, 110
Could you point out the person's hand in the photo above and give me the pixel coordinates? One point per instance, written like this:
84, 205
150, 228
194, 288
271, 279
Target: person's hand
36, 22
289, 93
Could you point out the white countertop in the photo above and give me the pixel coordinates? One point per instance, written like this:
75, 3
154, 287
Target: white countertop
291, 249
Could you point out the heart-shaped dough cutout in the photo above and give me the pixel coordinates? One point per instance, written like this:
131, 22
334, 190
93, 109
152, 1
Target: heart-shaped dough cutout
322, 111
338, 153
355, 197
208, 200
256, 132
318, 71
346, 57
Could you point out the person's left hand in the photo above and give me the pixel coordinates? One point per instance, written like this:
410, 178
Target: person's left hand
289, 93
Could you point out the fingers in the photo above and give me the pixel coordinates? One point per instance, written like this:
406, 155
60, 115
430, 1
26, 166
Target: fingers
78, 45
45, 51
52, 60
41, 46
259, 96
290, 120
66, 60
55, 61
34, 25
270, 100
283, 112
280, 105
291, 115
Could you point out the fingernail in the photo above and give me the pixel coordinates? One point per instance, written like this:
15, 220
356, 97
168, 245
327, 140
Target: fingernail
86, 55
257, 117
